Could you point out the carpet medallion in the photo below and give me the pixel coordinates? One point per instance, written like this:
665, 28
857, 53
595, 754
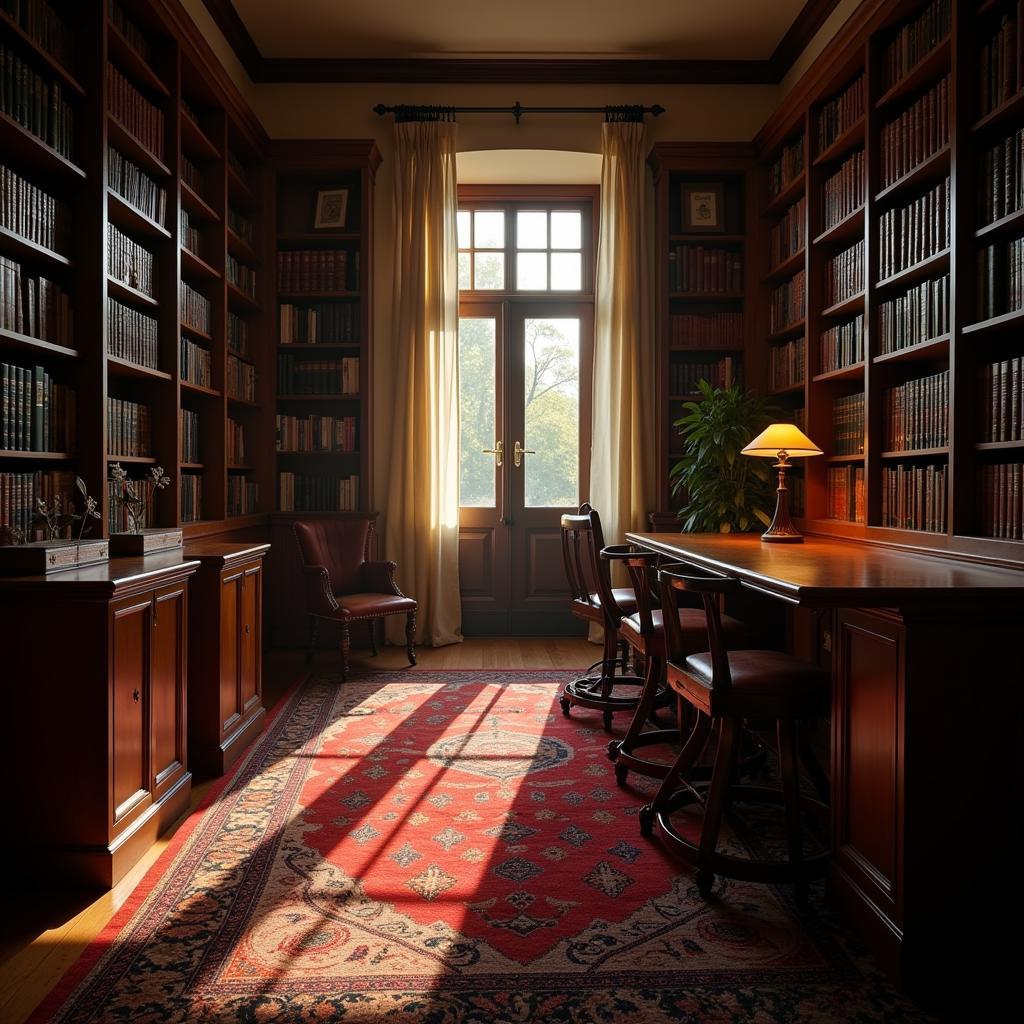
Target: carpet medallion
446, 847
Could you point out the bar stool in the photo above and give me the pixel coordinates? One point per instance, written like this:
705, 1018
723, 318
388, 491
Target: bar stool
582, 539
644, 632
725, 687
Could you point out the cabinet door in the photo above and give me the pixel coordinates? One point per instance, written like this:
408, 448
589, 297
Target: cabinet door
230, 649
130, 685
167, 702
249, 668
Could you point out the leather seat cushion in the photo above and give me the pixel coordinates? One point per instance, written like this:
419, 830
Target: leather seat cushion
692, 620
763, 672
624, 598
358, 606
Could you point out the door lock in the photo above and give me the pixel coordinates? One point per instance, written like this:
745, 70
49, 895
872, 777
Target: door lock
519, 451
497, 451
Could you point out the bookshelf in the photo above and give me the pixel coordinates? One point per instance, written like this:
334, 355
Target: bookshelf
116, 301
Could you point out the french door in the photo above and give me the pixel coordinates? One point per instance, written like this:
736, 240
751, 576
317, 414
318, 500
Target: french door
525, 369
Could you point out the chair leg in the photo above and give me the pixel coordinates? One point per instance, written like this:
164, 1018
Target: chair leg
410, 637
721, 780
643, 712
790, 778
346, 644
314, 625
692, 748
373, 636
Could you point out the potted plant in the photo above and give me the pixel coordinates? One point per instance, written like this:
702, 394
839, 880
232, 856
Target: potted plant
722, 491
135, 495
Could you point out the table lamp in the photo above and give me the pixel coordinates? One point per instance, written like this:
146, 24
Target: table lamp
782, 441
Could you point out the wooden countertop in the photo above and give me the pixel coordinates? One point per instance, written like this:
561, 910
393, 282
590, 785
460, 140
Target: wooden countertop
220, 553
832, 573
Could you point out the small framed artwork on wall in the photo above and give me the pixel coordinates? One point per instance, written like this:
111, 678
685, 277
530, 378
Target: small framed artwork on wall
331, 208
703, 206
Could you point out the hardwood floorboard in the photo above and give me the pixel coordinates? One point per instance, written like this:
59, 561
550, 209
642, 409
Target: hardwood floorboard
43, 932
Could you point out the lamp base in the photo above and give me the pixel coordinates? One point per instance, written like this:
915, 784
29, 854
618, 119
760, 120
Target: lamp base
782, 538
782, 530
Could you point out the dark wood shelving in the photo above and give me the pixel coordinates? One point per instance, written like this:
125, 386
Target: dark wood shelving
140, 460
123, 291
313, 296
301, 237
237, 295
199, 389
999, 446
1008, 110
22, 249
321, 346
125, 368
847, 229
317, 454
197, 206
1013, 320
935, 166
195, 332
243, 402
697, 349
789, 194
707, 296
934, 348
15, 341
37, 456
131, 218
789, 389
33, 152
1011, 223
854, 304
195, 142
39, 55
707, 238
134, 149
930, 66
787, 268
850, 372
191, 465
319, 398
196, 265
134, 64
845, 458
918, 271
239, 190
233, 468
850, 139
916, 453
240, 248
789, 331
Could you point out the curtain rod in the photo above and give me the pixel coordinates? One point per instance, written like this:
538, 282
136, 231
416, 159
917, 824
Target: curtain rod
410, 112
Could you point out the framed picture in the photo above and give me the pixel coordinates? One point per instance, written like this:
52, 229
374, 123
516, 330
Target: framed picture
703, 206
331, 207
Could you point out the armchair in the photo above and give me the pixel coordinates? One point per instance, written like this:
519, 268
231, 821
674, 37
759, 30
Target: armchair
343, 586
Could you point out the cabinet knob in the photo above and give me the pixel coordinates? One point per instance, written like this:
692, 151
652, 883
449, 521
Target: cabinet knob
135, 696
247, 629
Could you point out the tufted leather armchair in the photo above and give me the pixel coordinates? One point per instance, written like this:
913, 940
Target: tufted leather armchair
343, 586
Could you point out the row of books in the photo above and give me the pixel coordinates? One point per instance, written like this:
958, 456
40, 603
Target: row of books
911, 233
196, 309
36, 414
242, 226
319, 323
1000, 401
20, 494
787, 364
238, 334
842, 345
188, 424
297, 376
841, 113
706, 330
846, 494
788, 303
1001, 63
243, 496
240, 275
915, 40
299, 492
722, 373
1002, 500
693, 268
916, 414
129, 428
136, 187
191, 239
1001, 179
843, 192
920, 314
191, 497
317, 270
788, 235
41, 23
316, 433
133, 35
192, 176
34, 305
142, 119
36, 104
848, 425
130, 263
920, 131
788, 165
196, 366
117, 510
132, 335
1000, 278
236, 449
32, 213
914, 497
844, 274
241, 379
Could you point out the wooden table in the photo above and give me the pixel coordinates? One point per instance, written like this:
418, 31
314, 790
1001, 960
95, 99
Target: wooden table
927, 687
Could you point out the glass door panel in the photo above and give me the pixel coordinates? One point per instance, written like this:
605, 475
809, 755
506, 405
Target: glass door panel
479, 431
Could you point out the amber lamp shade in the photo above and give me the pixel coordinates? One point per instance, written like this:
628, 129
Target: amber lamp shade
782, 441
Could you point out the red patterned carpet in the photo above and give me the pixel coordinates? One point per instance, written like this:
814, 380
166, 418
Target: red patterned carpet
445, 847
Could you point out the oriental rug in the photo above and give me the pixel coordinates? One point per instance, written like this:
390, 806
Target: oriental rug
444, 846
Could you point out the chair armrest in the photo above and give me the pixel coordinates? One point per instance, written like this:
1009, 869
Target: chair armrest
319, 599
380, 578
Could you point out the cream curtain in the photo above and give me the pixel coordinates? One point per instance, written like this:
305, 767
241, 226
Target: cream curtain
422, 515
622, 474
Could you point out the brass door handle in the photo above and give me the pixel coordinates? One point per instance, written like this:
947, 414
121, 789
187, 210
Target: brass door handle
497, 451
519, 451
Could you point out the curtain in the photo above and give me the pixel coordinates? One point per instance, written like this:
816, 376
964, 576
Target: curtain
622, 474
422, 513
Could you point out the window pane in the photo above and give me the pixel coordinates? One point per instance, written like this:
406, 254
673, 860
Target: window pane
489, 226
566, 229
552, 409
532, 229
532, 271
464, 279
465, 242
476, 411
489, 271
566, 271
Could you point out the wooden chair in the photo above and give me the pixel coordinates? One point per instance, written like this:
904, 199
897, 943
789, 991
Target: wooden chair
725, 687
593, 599
343, 586
644, 632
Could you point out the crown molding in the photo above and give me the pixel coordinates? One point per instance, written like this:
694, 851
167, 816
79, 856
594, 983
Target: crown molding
529, 71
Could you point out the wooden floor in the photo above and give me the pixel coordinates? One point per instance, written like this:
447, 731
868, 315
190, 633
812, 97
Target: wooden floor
42, 933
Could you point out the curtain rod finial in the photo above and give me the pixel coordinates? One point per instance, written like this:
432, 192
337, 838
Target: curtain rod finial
657, 110
380, 110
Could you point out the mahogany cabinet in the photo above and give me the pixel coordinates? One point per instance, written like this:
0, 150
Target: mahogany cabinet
94, 766
225, 695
